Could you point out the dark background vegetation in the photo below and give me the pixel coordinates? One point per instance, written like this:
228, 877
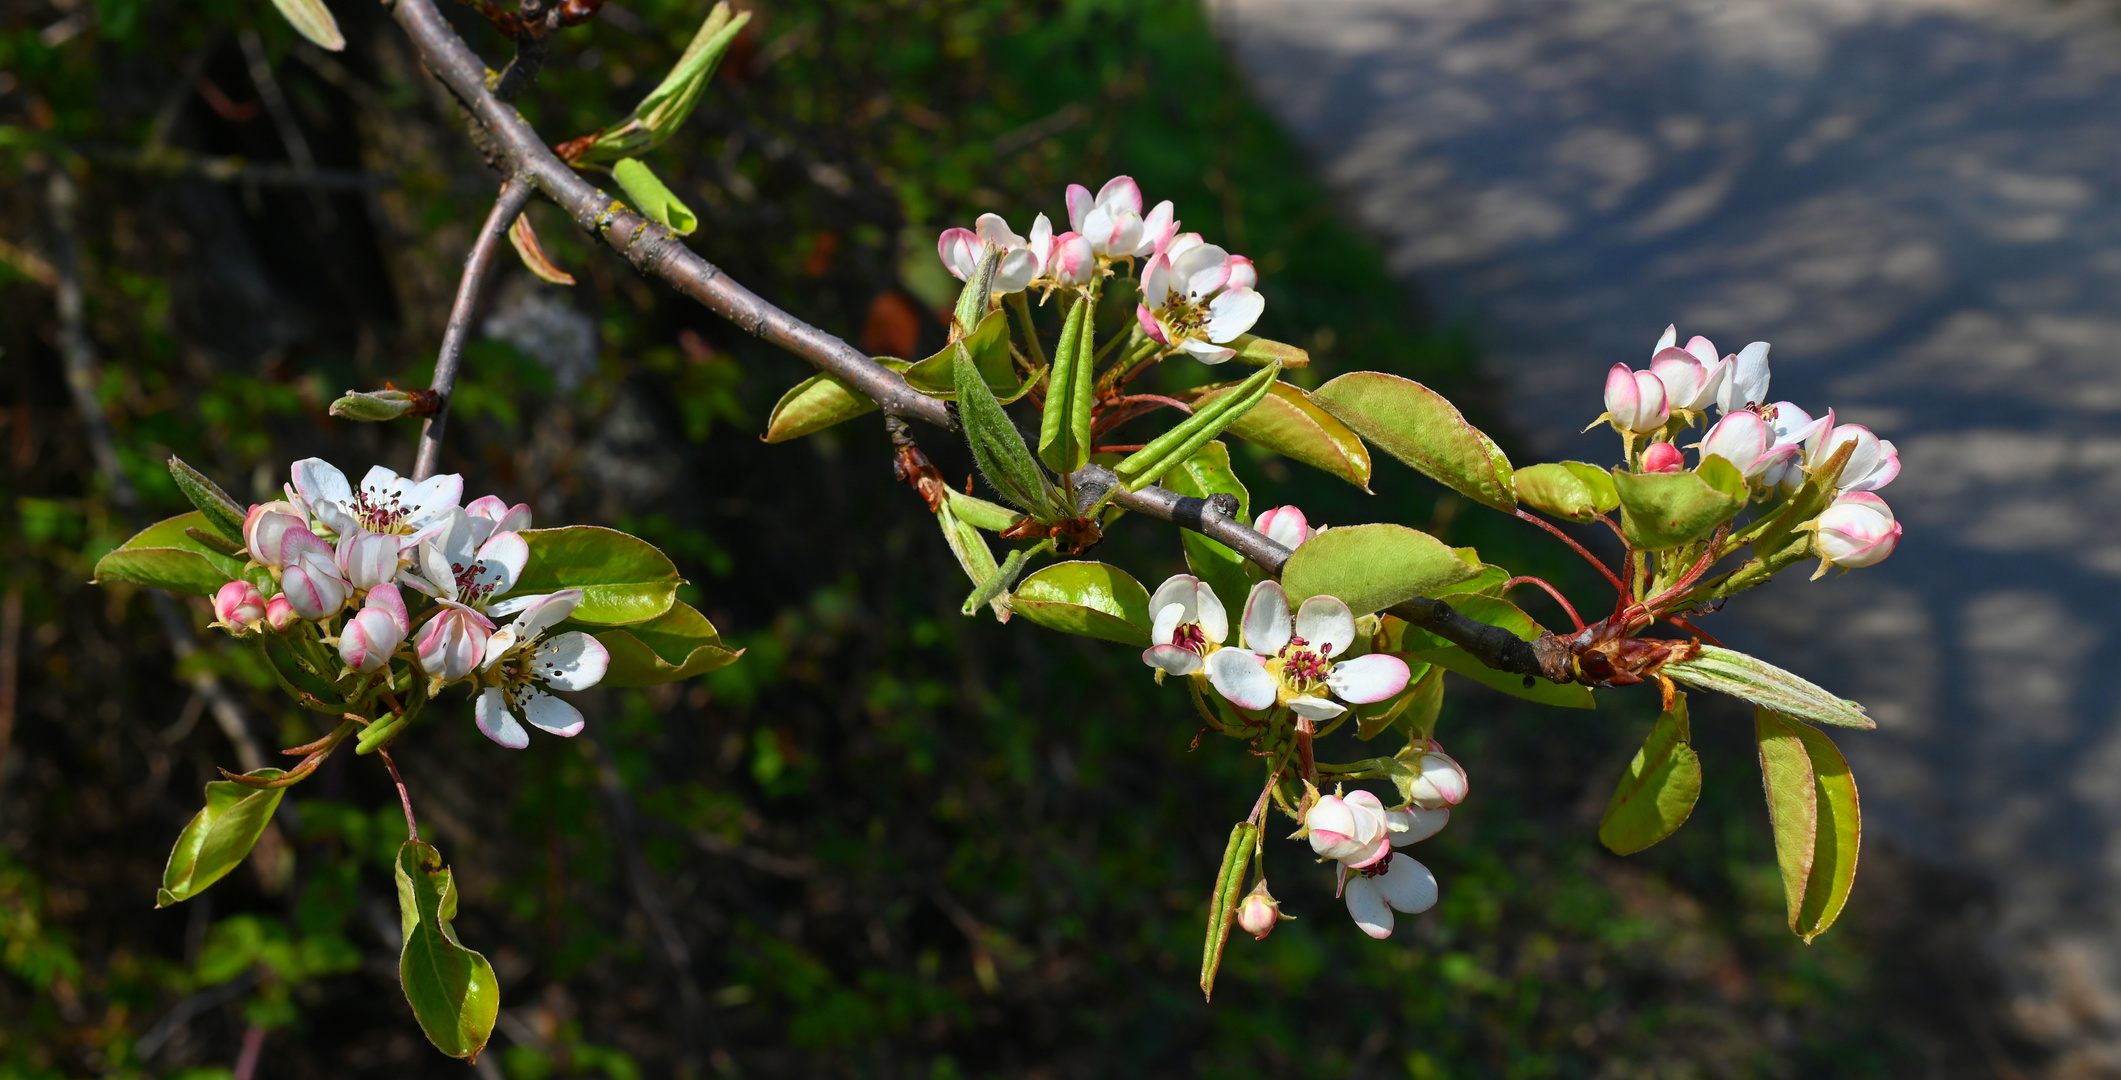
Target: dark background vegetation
891, 841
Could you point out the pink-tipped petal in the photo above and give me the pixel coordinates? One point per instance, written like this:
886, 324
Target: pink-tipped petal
1266, 622
1241, 676
1366, 904
1368, 678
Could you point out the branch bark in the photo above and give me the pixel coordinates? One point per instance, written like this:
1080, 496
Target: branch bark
515, 195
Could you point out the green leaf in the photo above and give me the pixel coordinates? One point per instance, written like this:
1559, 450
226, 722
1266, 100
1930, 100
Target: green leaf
1665, 510
222, 512
1752, 679
215, 542
1064, 431
1414, 708
218, 837
1287, 422
981, 514
660, 114
1818, 823
1371, 567
1487, 578
1419, 426
1088, 598
1259, 352
1658, 791
677, 644
971, 548
655, 201
1148, 464
1222, 905
995, 586
817, 403
1569, 489
164, 556
1419, 644
988, 343
976, 300
1204, 474
452, 989
623, 579
999, 448
312, 20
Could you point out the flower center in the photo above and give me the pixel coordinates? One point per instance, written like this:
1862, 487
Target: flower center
471, 590
1190, 637
1378, 868
1183, 317
1303, 667
382, 512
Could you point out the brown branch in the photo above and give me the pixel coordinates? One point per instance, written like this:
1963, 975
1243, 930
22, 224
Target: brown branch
515, 195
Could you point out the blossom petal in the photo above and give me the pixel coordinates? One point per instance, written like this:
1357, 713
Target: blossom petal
1327, 624
1177, 589
1366, 903
1232, 312
1670, 338
1377, 848
1163, 629
546, 613
1201, 269
1266, 622
1368, 678
502, 558
1208, 612
1172, 659
1206, 352
497, 722
1407, 885
320, 481
548, 713
1156, 280
571, 661
1241, 676
433, 497
1121, 193
1079, 203
1316, 708
1415, 824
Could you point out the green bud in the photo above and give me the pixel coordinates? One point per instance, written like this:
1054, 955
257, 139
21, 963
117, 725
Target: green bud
379, 405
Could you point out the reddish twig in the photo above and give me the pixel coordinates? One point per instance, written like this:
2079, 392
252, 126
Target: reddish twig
1690, 628
1527, 579
412, 824
1578, 548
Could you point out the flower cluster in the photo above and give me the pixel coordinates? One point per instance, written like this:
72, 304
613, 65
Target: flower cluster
1196, 297
1774, 445
331, 548
1358, 833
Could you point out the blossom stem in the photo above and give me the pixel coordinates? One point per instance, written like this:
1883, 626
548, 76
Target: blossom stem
1571, 541
1689, 627
1303, 749
515, 195
1021, 306
1527, 579
412, 824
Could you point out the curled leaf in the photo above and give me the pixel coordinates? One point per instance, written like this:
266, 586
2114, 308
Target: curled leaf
1148, 464
218, 836
678, 644
1222, 904
452, 989
525, 240
1289, 423
656, 202
1817, 818
165, 556
1752, 679
220, 509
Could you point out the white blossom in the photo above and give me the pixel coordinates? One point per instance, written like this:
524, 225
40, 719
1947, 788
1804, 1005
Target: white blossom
521, 665
1188, 623
1289, 661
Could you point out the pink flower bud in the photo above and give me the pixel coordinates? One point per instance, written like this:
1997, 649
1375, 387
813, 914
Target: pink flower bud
309, 575
367, 559
1688, 383
263, 527
1072, 262
368, 638
1858, 530
1442, 783
453, 642
239, 607
1259, 912
1662, 457
1871, 465
960, 251
1635, 400
1350, 829
279, 614
1285, 525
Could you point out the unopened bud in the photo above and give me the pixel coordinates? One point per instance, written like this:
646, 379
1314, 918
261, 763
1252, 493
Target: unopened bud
1662, 457
1441, 783
279, 614
1259, 912
239, 607
388, 404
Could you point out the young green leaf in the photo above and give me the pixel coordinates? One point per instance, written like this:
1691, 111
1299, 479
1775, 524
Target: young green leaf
1419, 426
1371, 567
999, 448
1752, 679
975, 302
1222, 905
1287, 422
1148, 464
1064, 432
452, 989
221, 511
1418, 644
218, 836
1088, 598
971, 548
623, 579
1818, 822
213, 541
1204, 474
665, 109
1258, 351
819, 402
655, 201
165, 556
312, 20
981, 514
1658, 791
1568, 489
997, 584
989, 345
1665, 510
677, 644
524, 239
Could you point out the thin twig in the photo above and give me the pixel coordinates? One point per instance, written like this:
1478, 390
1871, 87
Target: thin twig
1571, 541
284, 121
1527, 579
412, 824
515, 195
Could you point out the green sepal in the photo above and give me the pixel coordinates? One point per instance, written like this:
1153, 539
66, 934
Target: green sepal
652, 198
1422, 428
1223, 903
1371, 567
452, 990
1665, 510
222, 512
999, 448
1093, 599
624, 579
1657, 793
166, 556
1817, 818
219, 836
678, 644
1148, 464
1064, 431
1568, 489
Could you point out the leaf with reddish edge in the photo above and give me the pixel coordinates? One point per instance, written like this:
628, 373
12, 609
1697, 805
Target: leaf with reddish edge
1420, 427
1657, 793
1289, 423
1093, 599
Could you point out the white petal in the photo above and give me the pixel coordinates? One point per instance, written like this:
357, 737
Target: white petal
572, 661
1121, 193
1266, 622
1177, 589
1702, 349
497, 647
546, 613
1163, 630
1407, 885
1367, 904
1670, 338
1208, 611
1172, 659
1241, 676
1156, 281
433, 497
1368, 678
1017, 269
548, 713
320, 481
1206, 352
1315, 708
1198, 259
1325, 622
1232, 312
513, 604
501, 559
1415, 824
494, 719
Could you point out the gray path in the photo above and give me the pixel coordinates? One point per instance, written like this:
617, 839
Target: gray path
1919, 204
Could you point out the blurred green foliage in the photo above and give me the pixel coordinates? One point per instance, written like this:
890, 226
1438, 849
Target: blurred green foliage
890, 841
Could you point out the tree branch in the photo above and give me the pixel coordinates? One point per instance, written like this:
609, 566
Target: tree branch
515, 195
